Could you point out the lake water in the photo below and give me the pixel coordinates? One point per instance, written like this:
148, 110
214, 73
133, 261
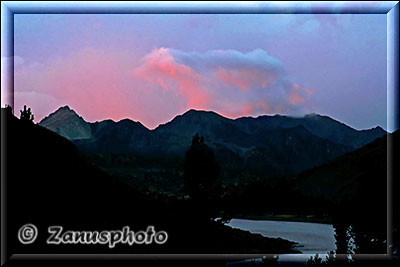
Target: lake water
311, 237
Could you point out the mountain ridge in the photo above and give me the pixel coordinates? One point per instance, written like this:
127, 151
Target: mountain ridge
213, 126
260, 117
266, 145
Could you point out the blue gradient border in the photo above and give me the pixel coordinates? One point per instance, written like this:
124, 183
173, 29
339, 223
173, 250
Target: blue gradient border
8, 9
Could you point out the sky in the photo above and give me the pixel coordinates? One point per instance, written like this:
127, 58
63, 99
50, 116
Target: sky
150, 68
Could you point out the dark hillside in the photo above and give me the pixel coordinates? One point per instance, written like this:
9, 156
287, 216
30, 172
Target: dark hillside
50, 183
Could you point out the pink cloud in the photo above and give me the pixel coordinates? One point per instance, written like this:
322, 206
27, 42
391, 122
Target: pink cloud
251, 108
98, 84
295, 87
294, 95
247, 109
228, 79
295, 99
160, 66
101, 84
244, 78
88, 78
210, 81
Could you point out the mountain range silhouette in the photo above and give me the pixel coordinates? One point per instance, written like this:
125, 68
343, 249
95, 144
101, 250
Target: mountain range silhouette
269, 145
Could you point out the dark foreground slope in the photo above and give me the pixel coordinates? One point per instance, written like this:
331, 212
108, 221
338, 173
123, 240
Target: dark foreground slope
49, 183
359, 176
356, 187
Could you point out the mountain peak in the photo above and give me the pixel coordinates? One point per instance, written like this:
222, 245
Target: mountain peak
199, 112
376, 129
67, 123
60, 113
66, 107
131, 123
310, 115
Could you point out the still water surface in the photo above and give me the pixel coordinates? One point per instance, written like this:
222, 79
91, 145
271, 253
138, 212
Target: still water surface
311, 237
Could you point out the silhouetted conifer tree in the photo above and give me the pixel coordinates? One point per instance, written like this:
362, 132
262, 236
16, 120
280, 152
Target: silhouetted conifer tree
8, 109
200, 173
26, 114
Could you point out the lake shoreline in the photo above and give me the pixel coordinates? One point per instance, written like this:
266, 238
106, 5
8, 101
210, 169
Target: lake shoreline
284, 217
310, 238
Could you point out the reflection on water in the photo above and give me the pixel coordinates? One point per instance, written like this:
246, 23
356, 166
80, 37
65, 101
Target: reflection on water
341, 240
318, 238
311, 237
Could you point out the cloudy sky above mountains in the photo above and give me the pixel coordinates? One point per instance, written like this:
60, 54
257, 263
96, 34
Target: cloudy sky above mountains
153, 67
